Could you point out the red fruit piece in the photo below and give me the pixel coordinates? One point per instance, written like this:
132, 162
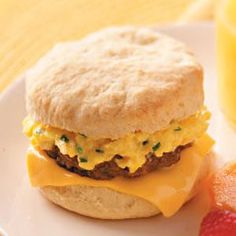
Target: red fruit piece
219, 223
224, 188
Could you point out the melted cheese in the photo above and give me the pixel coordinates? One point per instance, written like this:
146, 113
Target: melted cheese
167, 188
131, 146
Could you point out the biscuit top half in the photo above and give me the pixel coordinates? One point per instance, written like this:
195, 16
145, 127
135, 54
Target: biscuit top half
114, 82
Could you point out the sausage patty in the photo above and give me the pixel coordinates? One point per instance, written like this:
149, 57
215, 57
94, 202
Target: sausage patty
109, 169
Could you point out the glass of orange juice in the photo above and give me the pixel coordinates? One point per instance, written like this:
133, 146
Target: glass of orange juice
226, 56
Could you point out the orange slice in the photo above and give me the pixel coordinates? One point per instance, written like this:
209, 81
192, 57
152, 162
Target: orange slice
224, 188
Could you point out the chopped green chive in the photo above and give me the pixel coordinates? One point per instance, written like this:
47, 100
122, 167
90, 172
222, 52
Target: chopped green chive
145, 142
99, 150
178, 129
156, 146
149, 154
64, 138
83, 135
79, 149
83, 159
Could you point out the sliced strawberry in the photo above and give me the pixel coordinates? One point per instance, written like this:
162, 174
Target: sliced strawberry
219, 223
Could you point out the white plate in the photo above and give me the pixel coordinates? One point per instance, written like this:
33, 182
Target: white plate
24, 212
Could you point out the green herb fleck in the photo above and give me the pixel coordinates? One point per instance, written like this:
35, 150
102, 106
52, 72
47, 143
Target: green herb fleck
38, 131
149, 155
156, 146
178, 129
83, 135
83, 159
145, 142
64, 138
99, 150
79, 149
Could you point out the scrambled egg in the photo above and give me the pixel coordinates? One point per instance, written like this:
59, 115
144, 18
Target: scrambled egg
133, 147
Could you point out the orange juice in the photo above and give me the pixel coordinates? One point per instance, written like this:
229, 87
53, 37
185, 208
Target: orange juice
226, 57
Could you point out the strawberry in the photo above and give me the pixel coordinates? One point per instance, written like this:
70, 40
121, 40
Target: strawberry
219, 223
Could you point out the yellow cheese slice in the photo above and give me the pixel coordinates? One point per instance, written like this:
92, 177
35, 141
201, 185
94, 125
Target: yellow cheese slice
166, 188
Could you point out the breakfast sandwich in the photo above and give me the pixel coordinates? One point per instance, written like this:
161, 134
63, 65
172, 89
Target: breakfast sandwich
117, 124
